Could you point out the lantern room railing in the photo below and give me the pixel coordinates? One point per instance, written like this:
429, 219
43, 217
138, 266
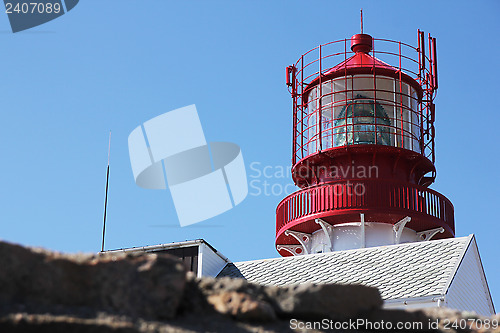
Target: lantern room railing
415, 131
363, 194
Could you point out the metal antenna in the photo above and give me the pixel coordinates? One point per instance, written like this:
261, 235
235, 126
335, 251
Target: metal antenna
361, 20
106, 197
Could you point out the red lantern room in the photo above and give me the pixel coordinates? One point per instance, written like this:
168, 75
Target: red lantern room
363, 148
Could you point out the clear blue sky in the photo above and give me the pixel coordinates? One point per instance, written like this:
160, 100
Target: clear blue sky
111, 65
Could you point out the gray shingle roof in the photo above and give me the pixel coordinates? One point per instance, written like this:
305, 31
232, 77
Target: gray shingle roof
398, 271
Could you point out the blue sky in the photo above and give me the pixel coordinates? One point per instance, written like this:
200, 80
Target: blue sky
111, 65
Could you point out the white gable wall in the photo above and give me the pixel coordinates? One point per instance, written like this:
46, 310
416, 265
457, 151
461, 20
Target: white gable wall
468, 290
210, 263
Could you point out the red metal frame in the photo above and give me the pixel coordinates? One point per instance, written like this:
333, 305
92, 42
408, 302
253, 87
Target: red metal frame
337, 202
401, 188
332, 60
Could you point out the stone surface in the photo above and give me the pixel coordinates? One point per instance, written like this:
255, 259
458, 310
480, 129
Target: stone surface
310, 301
43, 291
453, 321
307, 301
242, 306
136, 285
24, 323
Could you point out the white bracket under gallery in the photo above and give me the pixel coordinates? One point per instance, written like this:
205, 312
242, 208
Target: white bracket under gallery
302, 237
363, 231
398, 229
295, 250
325, 226
428, 234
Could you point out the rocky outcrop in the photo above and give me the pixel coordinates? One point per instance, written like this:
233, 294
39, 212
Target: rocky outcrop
244, 300
43, 291
149, 286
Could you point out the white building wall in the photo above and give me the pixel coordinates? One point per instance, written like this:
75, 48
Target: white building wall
412, 303
209, 262
350, 236
468, 290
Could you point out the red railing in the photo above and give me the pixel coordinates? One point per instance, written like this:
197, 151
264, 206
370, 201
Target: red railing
364, 194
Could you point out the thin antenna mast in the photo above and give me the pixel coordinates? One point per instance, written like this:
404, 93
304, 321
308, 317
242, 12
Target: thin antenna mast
361, 20
106, 197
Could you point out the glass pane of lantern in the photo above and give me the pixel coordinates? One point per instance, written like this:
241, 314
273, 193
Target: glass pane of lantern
339, 97
327, 114
363, 85
312, 128
386, 98
406, 117
361, 109
310, 124
415, 121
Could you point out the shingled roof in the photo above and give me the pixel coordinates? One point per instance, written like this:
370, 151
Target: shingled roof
408, 270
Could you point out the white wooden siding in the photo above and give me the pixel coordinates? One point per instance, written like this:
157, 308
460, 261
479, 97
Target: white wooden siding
209, 262
468, 290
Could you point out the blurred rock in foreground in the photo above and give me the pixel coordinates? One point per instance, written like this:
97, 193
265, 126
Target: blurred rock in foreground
43, 291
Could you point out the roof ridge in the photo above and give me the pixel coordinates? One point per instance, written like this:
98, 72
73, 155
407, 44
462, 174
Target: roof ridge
361, 59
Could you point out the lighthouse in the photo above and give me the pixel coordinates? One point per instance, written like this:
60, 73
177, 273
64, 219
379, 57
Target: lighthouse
363, 157
363, 148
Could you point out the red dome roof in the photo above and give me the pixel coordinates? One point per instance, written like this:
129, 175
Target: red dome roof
361, 60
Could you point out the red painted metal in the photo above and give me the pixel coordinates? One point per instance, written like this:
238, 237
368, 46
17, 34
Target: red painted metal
434, 63
400, 187
413, 72
361, 20
380, 200
361, 43
362, 63
288, 73
390, 162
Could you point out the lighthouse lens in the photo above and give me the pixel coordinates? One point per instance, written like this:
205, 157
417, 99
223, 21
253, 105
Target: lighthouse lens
362, 121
